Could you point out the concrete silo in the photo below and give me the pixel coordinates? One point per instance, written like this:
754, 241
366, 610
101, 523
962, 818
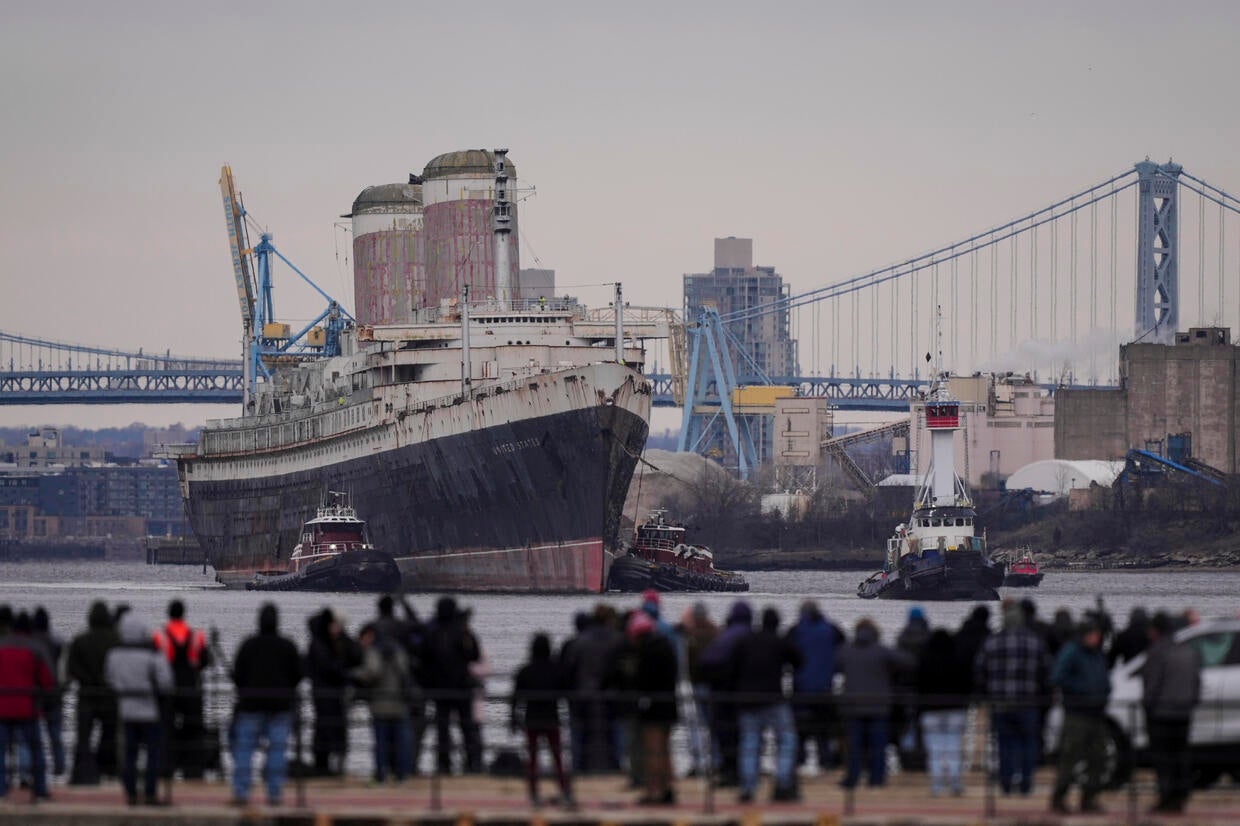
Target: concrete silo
470, 225
389, 262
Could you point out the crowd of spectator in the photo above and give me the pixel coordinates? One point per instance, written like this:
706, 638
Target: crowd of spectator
622, 681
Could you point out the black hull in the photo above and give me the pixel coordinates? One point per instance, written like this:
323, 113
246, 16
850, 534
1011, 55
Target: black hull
528, 505
1023, 580
958, 576
633, 574
352, 572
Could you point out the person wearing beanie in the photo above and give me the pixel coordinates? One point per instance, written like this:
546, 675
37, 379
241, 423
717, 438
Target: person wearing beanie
871, 671
715, 668
1012, 673
449, 649
1171, 688
1085, 685
188, 654
96, 704
266, 672
817, 641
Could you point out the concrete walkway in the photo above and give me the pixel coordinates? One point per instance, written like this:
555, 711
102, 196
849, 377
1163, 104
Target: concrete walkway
464, 801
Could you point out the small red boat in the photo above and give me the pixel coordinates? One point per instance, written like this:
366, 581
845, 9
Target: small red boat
661, 559
334, 554
1023, 573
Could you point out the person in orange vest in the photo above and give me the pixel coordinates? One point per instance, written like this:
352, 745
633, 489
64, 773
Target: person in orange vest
188, 654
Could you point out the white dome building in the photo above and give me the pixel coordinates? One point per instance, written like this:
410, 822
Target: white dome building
1058, 476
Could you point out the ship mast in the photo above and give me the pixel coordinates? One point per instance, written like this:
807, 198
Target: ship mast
942, 420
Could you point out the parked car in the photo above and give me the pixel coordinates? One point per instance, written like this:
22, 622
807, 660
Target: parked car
1215, 733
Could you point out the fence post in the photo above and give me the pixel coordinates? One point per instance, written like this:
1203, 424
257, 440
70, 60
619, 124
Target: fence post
436, 803
1132, 776
299, 765
989, 746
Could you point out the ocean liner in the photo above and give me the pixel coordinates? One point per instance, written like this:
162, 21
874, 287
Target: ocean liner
488, 444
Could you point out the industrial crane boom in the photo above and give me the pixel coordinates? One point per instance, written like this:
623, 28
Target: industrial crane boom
234, 214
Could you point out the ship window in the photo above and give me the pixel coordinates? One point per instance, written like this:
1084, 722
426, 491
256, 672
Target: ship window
937, 523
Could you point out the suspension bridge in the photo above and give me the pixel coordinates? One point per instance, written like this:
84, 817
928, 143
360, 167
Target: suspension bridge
1048, 294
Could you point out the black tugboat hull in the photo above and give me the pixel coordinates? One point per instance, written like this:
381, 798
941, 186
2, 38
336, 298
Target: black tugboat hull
969, 577
352, 572
633, 574
1023, 580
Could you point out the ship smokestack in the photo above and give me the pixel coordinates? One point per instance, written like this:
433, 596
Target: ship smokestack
503, 229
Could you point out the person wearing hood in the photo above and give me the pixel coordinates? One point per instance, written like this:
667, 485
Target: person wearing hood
973, 633
586, 666
715, 666
1171, 688
943, 690
449, 648
1083, 681
759, 661
96, 704
385, 672
653, 683
141, 678
330, 657
1012, 672
870, 672
266, 672
24, 677
1132, 641
52, 648
816, 640
696, 632
535, 708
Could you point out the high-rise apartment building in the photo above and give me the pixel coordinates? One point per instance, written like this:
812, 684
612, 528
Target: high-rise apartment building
736, 284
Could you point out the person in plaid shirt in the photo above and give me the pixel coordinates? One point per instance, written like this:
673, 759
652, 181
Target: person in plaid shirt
1012, 671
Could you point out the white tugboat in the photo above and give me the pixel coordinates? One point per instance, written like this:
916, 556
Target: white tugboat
937, 554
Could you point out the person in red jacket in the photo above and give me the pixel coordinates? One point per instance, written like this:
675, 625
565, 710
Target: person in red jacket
24, 677
188, 654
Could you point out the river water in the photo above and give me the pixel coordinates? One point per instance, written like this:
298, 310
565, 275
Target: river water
505, 623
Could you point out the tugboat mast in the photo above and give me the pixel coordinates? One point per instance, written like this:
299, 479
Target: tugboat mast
942, 420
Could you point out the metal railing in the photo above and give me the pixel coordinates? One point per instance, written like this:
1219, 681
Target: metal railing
713, 715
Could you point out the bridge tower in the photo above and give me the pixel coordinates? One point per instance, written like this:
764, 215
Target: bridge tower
1158, 252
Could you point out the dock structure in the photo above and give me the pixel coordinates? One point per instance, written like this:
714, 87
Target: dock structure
604, 801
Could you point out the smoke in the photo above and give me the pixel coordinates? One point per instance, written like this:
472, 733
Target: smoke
1093, 358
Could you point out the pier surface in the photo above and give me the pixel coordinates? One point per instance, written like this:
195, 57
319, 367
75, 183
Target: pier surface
607, 801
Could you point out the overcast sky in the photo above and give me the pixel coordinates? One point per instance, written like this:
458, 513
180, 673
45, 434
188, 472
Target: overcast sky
839, 136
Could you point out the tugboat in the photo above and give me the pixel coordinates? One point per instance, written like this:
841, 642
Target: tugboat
1023, 573
334, 554
661, 559
937, 554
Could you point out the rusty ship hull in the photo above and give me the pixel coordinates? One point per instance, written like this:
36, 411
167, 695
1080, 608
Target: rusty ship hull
510, 488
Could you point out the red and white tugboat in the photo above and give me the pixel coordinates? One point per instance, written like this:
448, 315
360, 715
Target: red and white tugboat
661, 559
1023, 573
937, 554
334, 554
